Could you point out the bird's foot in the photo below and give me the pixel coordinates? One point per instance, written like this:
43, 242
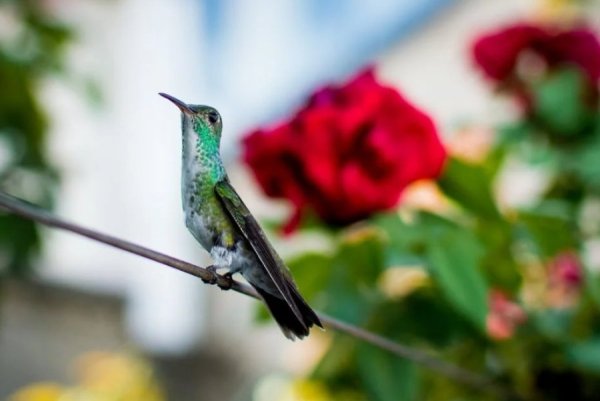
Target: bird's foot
224, 284
228, 282
212, 269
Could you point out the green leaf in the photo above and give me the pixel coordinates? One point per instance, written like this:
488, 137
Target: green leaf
312, 272
514, 133
405, 243
470, 186
498, 262
560, 102
452, 254
553, 323
402, 319
585, 355
592, 285
338, 365
385, 376
352, 290
454, 258
19, 241
360, 254
398, 232
551, 231
583, 161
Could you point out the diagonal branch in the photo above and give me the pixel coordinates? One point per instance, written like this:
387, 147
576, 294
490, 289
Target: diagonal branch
22, 208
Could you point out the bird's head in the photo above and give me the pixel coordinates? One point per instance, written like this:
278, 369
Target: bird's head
204, 121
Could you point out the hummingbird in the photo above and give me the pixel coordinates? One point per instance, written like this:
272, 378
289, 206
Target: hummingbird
220, 221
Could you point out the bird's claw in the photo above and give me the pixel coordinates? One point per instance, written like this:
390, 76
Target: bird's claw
214, 279
228, 282
213, 271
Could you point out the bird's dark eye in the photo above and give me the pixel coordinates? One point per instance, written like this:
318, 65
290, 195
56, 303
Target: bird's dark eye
213, 116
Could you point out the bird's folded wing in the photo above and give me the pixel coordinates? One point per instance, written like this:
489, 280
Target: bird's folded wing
250, 229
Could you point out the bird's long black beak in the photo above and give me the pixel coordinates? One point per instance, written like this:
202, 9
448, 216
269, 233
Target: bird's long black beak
182, 106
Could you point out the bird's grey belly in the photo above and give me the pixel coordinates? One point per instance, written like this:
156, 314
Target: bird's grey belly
239, 259
200, 227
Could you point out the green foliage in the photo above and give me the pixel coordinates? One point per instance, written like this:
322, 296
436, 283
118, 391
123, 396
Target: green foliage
585, 355
550, 231
332, 282
386, 377
402, 319
540, 335
469, 186
35, 50
582, 160
454, 259
313, 271
354, 270
451, 253
561, 105
592, 285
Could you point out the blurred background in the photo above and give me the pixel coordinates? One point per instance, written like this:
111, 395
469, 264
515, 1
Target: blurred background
83, 131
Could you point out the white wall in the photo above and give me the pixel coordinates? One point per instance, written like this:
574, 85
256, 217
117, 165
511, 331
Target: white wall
120, 164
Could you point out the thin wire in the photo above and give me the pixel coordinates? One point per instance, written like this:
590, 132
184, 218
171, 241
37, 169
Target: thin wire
29, 211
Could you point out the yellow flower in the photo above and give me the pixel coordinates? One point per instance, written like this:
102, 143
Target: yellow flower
560, 11
307, 390
102, 376
281, 388
82, 394
397, 282
39, 392
425, 195
360, 233
119, 376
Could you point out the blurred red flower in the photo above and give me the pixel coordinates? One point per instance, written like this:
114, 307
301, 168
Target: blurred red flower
504, 316
565, 278
349, 152
579, 47
497, 53
565, 269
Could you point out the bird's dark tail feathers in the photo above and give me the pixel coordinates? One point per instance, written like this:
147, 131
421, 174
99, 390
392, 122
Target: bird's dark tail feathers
284, 315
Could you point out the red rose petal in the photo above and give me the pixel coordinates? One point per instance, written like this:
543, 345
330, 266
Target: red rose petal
349, 153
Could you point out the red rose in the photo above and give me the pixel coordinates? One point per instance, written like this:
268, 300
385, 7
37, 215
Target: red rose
497, 53
579, 47
349, 152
